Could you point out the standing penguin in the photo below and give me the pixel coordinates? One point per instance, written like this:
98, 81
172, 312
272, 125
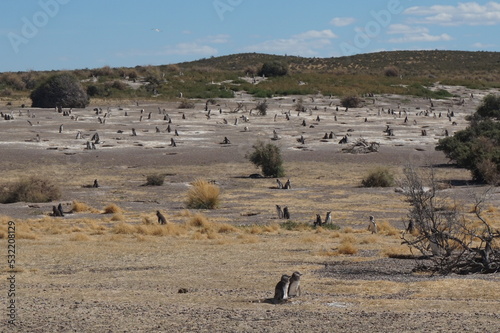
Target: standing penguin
294, 287
281, 290
372, 226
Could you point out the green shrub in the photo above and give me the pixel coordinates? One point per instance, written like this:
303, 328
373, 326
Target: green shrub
33, 189
274, 68
490, 107
268, 158
62, 90
155, 179
477, 148
380, 177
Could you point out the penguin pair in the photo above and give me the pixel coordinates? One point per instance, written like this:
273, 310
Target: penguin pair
289, 286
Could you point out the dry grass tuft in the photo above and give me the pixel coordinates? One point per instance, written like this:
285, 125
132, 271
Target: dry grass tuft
80, 207
124, 229
271, 228
224, 228
388, 229
203, 195
200, 221
347, 248
396, 251
118, 217
369, 240
79, 238
112, 209
248, 239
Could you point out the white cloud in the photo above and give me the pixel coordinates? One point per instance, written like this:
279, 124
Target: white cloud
421, 37
414, 34
467, 13
304, 44
342, 21
394, 29
482, 46
312, 34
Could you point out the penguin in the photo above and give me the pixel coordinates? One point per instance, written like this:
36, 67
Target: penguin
294, 287
328, 217
373, 226
281, 290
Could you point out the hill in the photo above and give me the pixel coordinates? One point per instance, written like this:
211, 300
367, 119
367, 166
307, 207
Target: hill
396, 72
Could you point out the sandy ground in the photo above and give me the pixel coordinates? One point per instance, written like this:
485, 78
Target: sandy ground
105, 281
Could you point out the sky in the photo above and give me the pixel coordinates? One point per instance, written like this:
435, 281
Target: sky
77, 34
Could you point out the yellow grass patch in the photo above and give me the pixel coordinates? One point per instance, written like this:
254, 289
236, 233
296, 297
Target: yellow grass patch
203, 195
117, 217
248, 239
80, 207
112, 209
79, 238
388, 229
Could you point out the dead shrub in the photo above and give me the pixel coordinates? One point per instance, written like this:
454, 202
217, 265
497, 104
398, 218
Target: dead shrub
112, 209
117, 217
347, 248
388, 229
155, 179
186, 104
350, 102
124, 229
32, 189
80, 207
203, 195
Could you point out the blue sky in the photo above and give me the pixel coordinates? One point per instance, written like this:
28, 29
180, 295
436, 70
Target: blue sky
73, 34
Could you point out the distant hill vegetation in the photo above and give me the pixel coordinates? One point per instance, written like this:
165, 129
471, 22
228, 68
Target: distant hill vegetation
397, 72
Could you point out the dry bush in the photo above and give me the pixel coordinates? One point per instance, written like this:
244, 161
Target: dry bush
380, 177
351, 102
347, 248
369, 240
124, 229
388, 229
203, 195
155, 179
112, 209
397, 251
186, 104
32, 189
79, 207
271, 228
79, 238
225, 228
117, 217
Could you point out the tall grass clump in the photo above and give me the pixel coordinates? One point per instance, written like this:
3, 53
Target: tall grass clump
203, 195
32, 189
112, 209
380, 177
268, 158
